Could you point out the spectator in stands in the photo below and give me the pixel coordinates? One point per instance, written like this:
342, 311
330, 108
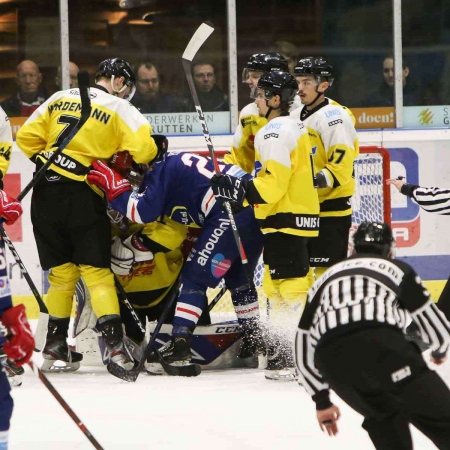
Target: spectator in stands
30, 94
211, 96
384, 95
148, 97
73, 72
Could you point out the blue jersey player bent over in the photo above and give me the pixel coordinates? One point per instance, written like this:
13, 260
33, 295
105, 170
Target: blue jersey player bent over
178, 186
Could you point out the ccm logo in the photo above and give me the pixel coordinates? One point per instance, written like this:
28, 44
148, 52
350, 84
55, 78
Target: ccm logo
223, 330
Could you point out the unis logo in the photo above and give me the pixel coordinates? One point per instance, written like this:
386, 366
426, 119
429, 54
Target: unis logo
426, 117
219, 265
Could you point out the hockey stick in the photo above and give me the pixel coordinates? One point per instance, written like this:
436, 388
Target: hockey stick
198, 39
83, 83
132, 375
181, 371
41, 330
217, 298
64, 404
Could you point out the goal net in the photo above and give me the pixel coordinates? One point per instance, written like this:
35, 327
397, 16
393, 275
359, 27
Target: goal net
371, 202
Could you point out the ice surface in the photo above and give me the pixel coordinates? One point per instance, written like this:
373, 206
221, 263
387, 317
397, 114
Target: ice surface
219, 410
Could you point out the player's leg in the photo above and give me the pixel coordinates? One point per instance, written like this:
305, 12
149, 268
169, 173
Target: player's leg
243, 292
331, 246
427, 404
55, 253
288, 261
6, 409
89, 230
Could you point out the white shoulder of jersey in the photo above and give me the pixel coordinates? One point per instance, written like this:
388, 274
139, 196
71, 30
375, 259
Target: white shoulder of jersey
5, 127
249, 110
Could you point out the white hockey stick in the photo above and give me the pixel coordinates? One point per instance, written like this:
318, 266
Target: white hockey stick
198, 39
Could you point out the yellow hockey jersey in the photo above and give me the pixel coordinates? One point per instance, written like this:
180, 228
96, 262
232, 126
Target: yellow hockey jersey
242, 151
154, 278
284, 179
113, 126
5, 142
335, 146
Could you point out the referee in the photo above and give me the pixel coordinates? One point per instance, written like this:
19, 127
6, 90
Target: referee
350, 339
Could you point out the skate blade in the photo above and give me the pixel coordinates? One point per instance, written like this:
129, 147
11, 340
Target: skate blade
281, 375
15, 381
56, 365
154, 369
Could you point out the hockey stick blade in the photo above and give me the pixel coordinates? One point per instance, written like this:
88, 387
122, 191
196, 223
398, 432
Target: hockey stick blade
197, 40
40, 335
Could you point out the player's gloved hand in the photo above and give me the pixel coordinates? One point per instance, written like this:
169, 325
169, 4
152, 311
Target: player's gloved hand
229, 188
10, 208
108, 180
20, 341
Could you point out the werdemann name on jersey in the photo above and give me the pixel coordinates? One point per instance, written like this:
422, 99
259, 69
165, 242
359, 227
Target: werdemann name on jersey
212, 241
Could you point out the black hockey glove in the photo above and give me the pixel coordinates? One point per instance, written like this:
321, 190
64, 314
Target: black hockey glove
229, 188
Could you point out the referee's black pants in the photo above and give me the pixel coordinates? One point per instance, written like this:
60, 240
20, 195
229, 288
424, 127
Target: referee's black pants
384, 377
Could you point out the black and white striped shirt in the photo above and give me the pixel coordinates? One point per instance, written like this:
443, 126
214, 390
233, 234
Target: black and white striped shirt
431, 199
364, 290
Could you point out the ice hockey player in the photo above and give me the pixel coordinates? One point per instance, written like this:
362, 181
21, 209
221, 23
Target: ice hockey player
286, 205
335, 146
179, 187
242, 152
350, 339
70, 223
17, 338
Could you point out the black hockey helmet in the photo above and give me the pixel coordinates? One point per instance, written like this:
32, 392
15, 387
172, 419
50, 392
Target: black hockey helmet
281, 83
374, 237
318, 67
265, 62
116, 67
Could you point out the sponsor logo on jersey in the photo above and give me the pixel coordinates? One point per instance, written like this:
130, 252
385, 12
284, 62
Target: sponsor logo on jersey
270, 135
67, 163
219, 265
273, 126
258, 167
5, 291
314, 150
245, 121
212, 241
307, 222
401, 374
332, 112
335, 122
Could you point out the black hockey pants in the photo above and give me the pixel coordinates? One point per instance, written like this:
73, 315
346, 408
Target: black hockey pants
384, 377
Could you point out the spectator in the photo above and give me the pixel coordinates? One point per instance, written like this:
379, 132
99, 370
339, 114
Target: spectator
211, 96
289, 51
148, 98
73, 72
384, 95
30, 94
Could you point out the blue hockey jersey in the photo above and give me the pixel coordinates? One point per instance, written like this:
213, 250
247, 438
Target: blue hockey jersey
178, 187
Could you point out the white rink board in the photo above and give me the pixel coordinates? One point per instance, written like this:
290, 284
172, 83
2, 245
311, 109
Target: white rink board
432, 148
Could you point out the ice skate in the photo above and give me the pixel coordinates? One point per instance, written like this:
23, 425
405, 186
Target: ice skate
252, 342
280, 362
13, 372
58, 357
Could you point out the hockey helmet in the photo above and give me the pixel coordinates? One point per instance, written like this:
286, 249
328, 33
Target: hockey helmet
280, 83
318, 67
374, 237
265, 62
116, 67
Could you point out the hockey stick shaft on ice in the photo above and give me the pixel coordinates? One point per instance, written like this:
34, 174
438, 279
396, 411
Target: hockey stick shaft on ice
198, 39
182, 371
41, 330
46, 382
